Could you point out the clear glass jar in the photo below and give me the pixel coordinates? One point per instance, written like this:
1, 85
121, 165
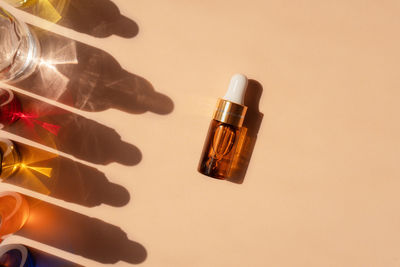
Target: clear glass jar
19, 49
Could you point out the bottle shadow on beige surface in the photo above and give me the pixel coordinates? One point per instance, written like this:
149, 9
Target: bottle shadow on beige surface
62, 178
71, 133
80, 234
90, 79
248, 137
99, 18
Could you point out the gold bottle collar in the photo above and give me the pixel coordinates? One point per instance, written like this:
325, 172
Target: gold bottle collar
230, 113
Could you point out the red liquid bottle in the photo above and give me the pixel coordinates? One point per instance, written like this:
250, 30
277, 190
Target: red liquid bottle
10, 107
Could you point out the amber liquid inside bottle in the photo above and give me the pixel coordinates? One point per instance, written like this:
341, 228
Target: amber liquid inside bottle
219, 150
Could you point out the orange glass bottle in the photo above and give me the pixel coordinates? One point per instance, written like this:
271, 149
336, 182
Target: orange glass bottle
14, 212
224, 132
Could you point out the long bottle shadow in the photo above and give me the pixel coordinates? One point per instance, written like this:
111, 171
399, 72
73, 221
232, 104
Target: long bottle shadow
79, 234
65, 179
71, 133
100, 18
90, 79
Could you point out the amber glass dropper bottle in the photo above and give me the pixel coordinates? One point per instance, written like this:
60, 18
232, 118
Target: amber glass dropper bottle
223, 134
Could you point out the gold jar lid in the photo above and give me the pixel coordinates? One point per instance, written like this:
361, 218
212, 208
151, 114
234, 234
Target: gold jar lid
230, 113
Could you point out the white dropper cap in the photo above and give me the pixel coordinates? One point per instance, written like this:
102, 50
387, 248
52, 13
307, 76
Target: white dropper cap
237, 89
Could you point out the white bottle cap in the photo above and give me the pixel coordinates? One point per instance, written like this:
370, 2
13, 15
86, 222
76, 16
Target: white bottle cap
237, 89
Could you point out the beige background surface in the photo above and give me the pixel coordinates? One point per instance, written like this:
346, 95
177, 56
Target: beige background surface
322, 185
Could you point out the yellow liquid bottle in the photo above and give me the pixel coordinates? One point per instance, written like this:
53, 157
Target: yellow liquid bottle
10, 158
51, 10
